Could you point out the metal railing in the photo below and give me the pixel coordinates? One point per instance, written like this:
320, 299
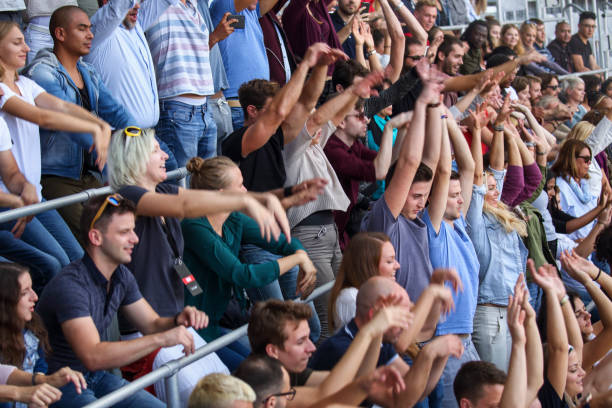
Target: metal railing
169, 371
72, 199
593, 72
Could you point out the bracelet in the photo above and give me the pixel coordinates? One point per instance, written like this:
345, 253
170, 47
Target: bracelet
598, 275
540, 153
398, 6
498, 128
433, 105
287, 191
564, 300
444, 117
368, 54
34, 378
176, 317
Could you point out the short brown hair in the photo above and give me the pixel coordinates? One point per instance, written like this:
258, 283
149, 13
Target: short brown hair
267, 322
91, 207
473, 376
256, 92
533, 78
425, 3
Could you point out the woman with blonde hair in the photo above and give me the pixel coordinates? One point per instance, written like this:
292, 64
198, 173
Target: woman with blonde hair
510, 37
528, 34
367, 254
496, 233
137, 171
574, 90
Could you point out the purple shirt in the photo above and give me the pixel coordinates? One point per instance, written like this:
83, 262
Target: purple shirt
520, 183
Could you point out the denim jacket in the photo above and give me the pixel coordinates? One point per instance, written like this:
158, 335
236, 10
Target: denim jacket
502, 255
63, 152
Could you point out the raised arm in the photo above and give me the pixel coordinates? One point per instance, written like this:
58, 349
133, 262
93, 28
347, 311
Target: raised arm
556, 370
410, 20
398, 40
281, 105
311, 91
463, 156
439, 190
496, 153
383, 159
516, 382
433, 136
533, 347
582, 270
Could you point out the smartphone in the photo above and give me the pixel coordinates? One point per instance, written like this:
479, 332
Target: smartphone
236, 24
365, 4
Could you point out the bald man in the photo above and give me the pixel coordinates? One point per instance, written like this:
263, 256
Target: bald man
68, 167
428, 365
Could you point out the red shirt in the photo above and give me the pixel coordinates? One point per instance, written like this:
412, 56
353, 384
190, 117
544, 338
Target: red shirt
353, 165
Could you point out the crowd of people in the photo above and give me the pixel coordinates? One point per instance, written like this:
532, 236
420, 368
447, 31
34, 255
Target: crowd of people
453, 187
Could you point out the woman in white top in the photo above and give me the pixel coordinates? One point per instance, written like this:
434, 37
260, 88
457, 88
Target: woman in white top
367, 254
46, 244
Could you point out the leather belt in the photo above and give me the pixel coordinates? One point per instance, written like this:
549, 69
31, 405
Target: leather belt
234, 103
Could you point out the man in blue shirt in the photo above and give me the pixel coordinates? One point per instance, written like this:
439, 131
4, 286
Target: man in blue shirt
77, 307
450, 246
68, 167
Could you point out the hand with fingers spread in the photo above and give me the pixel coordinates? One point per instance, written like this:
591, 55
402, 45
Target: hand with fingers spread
504, 112
363, 88
307, 276
520, 286
547, 278
443, 296
101, 140
450, 275
316, 53
367, 35
388, 317
516, 317
356, 31
192, 317
400, 120
577, 267
263, 216
64, 376
478, 118
531, 56
304, 192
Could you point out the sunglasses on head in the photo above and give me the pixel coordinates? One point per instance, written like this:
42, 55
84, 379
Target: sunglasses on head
130, 132
113, 199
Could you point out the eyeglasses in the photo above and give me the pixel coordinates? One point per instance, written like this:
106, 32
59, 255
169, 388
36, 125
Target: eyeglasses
587, 159
289, 395
553, 87
592, 26
414, 57
360, 115
130, 132
113, 199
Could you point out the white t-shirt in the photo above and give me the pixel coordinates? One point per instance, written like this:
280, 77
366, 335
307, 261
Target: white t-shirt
5, 136
346, 307
25, 135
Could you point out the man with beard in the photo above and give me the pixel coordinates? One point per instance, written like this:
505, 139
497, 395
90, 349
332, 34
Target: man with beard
68, 167
342, 19
475, 35
449, 61
559, 46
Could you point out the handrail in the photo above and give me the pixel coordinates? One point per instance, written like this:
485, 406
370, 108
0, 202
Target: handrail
171, 368
579, 74
71, 199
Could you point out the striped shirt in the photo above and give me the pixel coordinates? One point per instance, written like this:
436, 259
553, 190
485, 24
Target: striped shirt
179, 46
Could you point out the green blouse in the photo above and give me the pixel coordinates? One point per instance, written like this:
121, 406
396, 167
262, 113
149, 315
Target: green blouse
213, 260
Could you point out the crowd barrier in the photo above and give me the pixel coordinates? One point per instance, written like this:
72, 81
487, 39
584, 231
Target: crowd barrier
593, 72
168, 372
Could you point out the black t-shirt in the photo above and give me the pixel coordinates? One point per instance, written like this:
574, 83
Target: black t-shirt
548, 396
89, 163
263, 169
577, 47
153, 258
300, 379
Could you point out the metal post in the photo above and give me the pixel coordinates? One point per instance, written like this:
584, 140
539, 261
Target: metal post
173, 399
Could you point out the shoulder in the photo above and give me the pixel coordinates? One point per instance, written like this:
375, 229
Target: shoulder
132, 193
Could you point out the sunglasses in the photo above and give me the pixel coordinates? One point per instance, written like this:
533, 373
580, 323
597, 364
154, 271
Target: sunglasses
587, 159
414, 57
360, 116
130, 132
553, 87
113, 199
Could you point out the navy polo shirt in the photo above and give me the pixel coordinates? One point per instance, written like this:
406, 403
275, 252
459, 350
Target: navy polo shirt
332, 350
80, 290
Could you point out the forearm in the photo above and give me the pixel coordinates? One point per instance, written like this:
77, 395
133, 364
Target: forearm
466, 101
513, 394
433, 136
336, 107
577, 223
421, 313
397, 40
10, 200
464, 159
368, 364
289, 94
555, 326
574, 337
496, 153
313, 88
587, 245
383, 158
109, 355
76, 111
412, 23
359, 55
535, 359
416, 380
374, 61
345, 31
602, 302
287, 262
476, 150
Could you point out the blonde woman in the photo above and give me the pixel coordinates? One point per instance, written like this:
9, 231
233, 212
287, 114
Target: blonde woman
528, 34
496, 233
510, 37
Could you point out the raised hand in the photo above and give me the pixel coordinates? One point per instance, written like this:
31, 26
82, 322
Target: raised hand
388, 317
450, 275
381, 380
516, 316
479, 117
266, 216
577, 267
363, 87
547, 278
504, 112
223, 29
356, 31
443, 295
315, 52
447, 345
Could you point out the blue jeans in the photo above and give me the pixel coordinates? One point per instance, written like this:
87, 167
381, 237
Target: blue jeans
434, 399
186, 130
46, 246
233, 354
535, 296
99, 384
284, 288
450, 372
237, 118
222, 115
